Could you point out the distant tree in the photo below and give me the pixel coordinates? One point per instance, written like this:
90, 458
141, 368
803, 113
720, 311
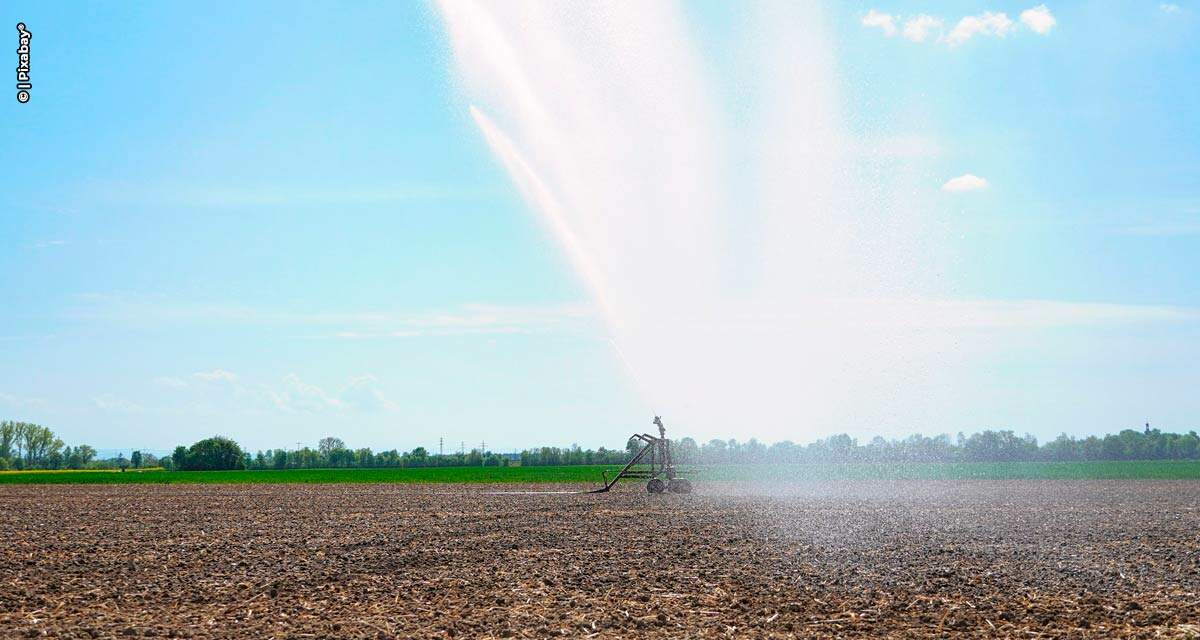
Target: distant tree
135, 459
30, 446
329, 444
79, 457
38, 444
213, 454
686, 451
715, 452
179, 458
8, 439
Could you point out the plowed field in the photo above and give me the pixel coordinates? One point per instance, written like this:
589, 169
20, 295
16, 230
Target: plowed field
907, 559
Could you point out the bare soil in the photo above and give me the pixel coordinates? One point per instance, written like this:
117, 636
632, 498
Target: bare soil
914, 559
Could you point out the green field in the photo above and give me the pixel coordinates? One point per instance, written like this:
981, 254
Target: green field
1154, 469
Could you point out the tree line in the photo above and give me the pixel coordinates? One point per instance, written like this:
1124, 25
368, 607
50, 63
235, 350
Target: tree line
31, 446
219, 453
985, 446
24, 445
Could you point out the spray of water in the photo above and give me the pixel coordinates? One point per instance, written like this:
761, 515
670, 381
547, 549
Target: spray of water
752, 273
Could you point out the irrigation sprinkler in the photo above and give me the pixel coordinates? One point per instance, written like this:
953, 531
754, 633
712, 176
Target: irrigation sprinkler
654, 463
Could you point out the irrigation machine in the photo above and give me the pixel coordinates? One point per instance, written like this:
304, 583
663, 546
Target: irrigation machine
653, 463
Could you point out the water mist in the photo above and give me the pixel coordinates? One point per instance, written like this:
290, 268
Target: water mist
769, 296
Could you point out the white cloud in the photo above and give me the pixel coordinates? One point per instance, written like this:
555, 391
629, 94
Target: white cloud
109, 402
225, 390
170, 382
1168, 7
984, 24
46, 244
362, 393
271, 195
882, 21
1039, 19
919, 28
466, 319
1054, 313
922, 27
965, 182
300, 396
216, 375
932, 313
19, 401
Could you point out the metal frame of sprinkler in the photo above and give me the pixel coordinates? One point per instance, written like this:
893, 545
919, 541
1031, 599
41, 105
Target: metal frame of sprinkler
654, 463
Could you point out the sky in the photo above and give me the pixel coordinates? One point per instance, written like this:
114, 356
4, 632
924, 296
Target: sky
281, 222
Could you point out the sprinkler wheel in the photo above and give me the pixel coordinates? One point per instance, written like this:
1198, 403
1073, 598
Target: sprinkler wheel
679, 485
656, 486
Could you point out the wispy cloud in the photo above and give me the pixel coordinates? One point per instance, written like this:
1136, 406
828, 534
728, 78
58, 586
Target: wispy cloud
466, 319
1055, 313
476, 319
216, 375
1169, 7
921, 27
933, 314
297, 395
984, 24
221, 390
885, 22
46, 244
19, 402
170, 382
362, 393
220, 196
110, 402
964, 183
997, 24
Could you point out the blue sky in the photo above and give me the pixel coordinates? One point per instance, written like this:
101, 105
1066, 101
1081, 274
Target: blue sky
280, 222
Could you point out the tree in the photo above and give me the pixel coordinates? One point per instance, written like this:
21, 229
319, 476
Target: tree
686, 451
39, 442
8, 439
135, 459
27, 445
179, 458
329, 444
83, 456
213, 454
